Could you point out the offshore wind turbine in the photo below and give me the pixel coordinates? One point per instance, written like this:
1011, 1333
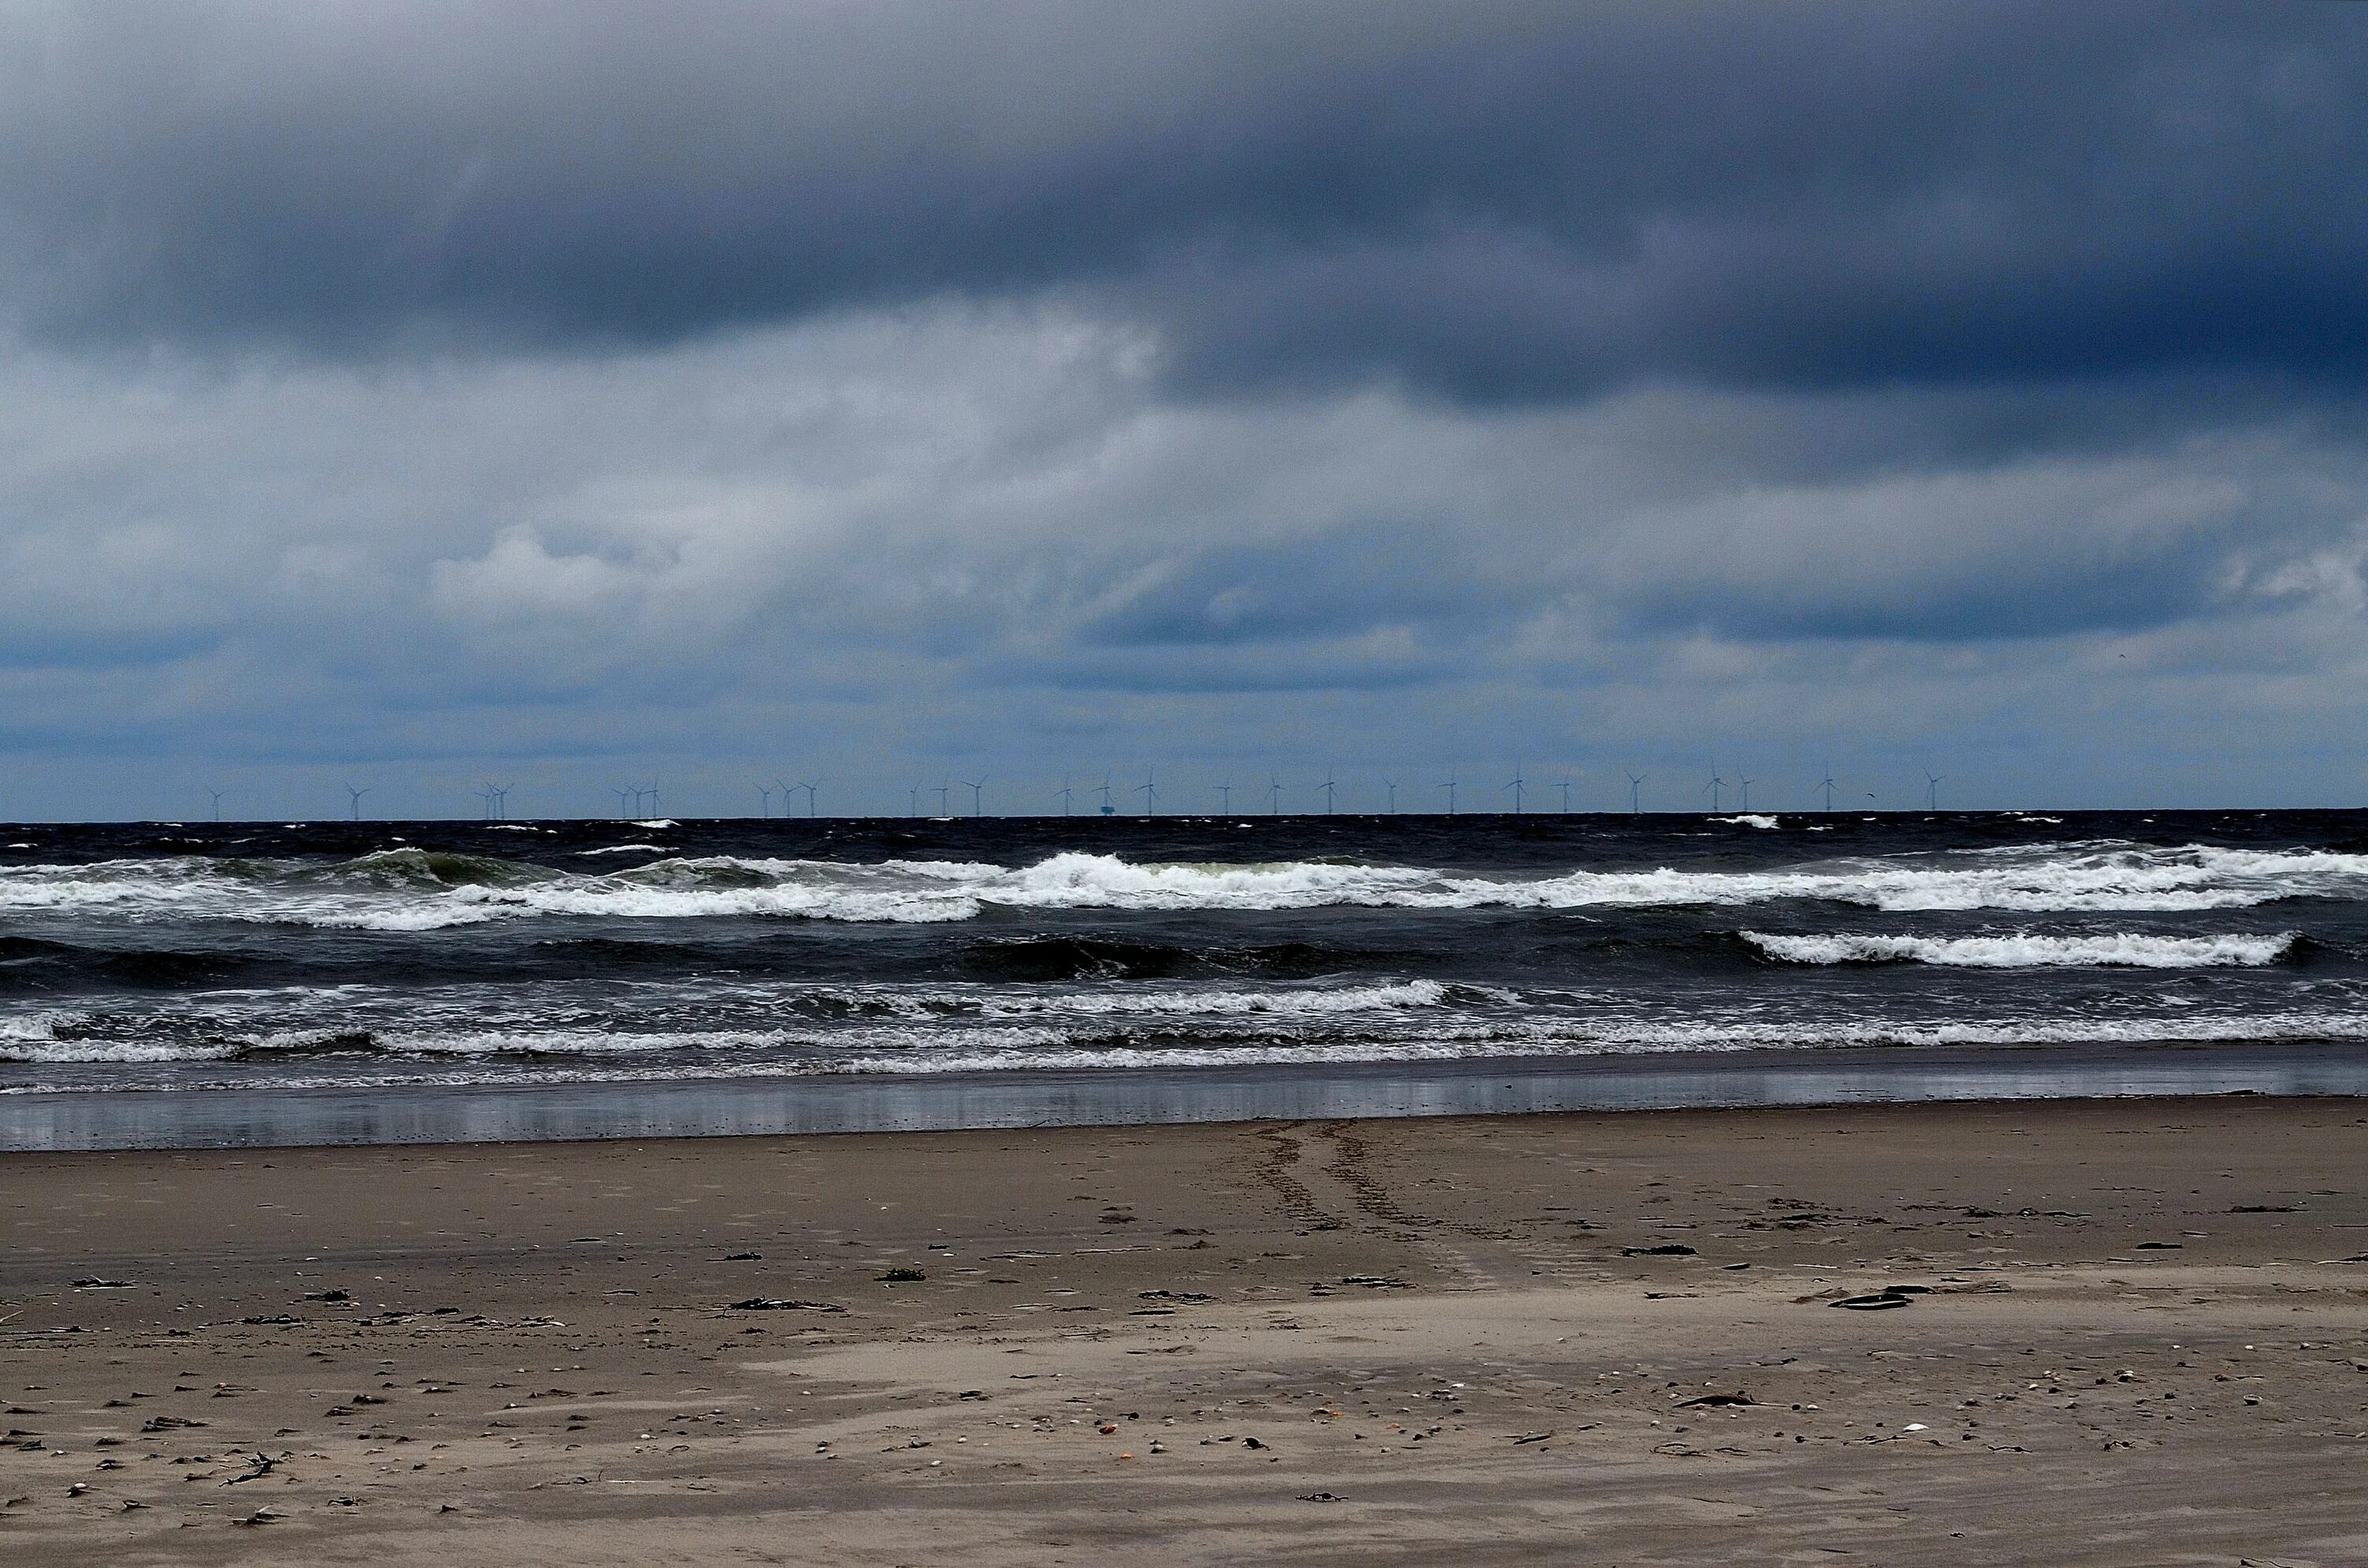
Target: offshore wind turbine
1745, 785
355, 799
1274, 796
765, 802
486, 795
1065, 795
915, 794
1225, 797
1104, 790
502, 801
1149, 790
977, 796
623, 796
1327, 786
944, 790
811, 787
1714, 787
1635, 783
1932, 789
1565, 787
1450, 787
1828, 787
218, 795
1518, 787
1391, 786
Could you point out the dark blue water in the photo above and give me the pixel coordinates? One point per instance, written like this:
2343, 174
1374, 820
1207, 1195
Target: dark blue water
383, 956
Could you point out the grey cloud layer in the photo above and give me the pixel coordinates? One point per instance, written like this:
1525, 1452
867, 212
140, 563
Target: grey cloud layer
1505, 202
892, 382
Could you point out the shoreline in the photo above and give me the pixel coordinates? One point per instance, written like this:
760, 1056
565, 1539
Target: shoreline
2084, 1330
1148, 1096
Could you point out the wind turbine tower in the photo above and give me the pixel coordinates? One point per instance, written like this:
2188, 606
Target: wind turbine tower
1745, 785
1065, 795
1828, 787
765, 802
1274, 796
1635, 783
217, 794
812, 786
1564, 787
1149, 790
977, 796
1518, 786
354, 798
1391, 786
1450, 787
1327, 786
1932, 789
1714, 787
1225, 797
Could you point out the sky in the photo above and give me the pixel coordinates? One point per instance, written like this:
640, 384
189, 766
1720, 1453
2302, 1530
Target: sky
577, 395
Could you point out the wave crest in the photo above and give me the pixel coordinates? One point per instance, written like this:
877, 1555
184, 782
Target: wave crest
414, 889
2124, 950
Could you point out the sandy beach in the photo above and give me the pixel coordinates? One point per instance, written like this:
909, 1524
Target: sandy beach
2115, 1333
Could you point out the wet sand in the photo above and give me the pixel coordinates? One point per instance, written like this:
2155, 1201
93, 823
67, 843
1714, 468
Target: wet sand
2110, 1333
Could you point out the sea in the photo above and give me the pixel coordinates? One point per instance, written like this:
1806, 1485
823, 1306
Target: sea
322, 982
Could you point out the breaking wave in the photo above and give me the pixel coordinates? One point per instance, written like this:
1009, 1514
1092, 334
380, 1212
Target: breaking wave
2022, 950
583, 1054
416, 891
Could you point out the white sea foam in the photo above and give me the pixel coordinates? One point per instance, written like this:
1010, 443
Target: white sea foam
596, 1055
1751, 819
2028, 951
407, 890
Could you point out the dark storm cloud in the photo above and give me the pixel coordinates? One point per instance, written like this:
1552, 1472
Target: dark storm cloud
1494, 202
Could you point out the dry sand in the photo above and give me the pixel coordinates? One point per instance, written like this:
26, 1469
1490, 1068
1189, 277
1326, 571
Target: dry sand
2135, 1337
